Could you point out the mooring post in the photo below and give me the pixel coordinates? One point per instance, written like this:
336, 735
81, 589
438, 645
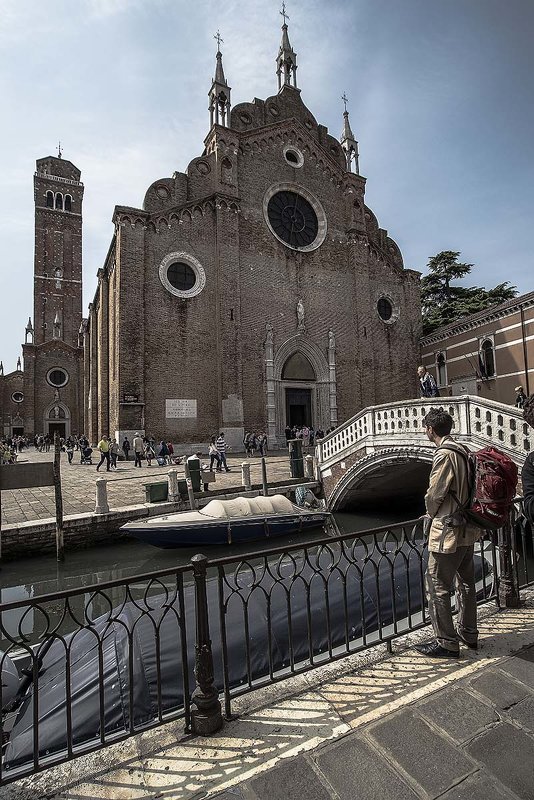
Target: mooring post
101, 502
174, 492
206, 716
60, 548
508, 585
245, 475
309, 467
265, 488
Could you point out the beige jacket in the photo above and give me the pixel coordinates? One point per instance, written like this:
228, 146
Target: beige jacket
448, 474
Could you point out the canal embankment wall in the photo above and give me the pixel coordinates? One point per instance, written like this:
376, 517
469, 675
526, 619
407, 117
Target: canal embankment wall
34, 537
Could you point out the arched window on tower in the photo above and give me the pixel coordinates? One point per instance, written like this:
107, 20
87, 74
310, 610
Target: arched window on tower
68, 202
59, 201
441, 368
50, 199
487, 359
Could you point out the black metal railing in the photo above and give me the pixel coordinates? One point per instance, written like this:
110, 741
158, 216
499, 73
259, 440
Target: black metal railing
107, 661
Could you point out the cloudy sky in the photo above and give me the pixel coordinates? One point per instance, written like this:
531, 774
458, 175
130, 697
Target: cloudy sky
440, 97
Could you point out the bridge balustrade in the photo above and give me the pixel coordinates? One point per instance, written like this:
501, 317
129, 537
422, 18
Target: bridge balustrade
477, 422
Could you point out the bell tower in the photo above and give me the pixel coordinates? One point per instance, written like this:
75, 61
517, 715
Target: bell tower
57, 295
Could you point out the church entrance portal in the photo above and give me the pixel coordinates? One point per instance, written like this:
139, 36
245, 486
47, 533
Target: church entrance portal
57, 427
298, 407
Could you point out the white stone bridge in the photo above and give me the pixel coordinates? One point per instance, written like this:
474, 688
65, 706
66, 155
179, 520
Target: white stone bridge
382, 456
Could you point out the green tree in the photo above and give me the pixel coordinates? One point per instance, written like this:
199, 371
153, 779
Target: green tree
443, 302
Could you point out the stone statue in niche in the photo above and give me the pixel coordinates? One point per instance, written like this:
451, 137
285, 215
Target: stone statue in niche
56, 394
300, 315
56, 412
331, 340
269, 334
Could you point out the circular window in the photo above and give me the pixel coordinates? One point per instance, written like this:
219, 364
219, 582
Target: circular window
17, 397
57, 377
387, 310
295, 217
293, 156
182, 275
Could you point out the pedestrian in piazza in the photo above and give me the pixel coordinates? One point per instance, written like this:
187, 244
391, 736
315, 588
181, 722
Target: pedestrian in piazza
126, 447
138, 448
527, 473
113, 453
149, 454
450, 544
262, 443
220, 444
103, 447
214, 455
427, 383
69, 447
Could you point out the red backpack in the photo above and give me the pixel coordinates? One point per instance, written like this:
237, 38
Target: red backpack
492, 479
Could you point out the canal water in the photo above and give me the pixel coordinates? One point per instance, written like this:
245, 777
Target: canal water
42, 575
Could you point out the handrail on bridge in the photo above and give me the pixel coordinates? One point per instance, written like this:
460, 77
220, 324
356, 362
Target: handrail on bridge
477, 421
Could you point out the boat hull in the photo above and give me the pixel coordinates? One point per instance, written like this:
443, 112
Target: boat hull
168, 534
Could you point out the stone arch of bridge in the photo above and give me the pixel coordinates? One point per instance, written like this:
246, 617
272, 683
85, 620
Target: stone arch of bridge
391, 474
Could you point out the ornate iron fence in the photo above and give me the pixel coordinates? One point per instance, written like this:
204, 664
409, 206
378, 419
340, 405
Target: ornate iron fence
105, 662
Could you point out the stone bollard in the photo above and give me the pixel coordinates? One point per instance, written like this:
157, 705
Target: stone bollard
245, 475
309, 467
174, 493
101, 505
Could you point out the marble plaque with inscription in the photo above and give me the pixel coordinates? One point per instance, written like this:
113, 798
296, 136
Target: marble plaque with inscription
181, 409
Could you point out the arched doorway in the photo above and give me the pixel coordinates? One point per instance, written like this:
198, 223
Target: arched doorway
57, 420
298, 378
300, 385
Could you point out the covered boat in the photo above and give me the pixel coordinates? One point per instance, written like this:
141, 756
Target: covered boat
241, 519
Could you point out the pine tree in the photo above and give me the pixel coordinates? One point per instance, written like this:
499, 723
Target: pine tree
443, 303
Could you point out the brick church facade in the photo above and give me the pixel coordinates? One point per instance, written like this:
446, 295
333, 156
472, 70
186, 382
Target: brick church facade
44, 393
252, 291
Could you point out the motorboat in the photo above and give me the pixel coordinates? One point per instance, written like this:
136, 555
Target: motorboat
133, 662
241, 519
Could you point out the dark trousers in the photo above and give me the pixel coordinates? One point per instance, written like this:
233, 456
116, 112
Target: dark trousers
216, 459
444, 572
126, 454
103, 457
222, 461
137, 459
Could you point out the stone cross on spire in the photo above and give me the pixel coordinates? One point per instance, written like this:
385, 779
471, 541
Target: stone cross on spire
286, 61
219, 93
348, 142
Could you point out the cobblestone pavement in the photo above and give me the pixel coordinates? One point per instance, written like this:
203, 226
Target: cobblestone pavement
125, 485
371, 726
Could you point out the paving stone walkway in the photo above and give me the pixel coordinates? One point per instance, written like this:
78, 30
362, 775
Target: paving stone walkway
371, 726
470, 741
125, 486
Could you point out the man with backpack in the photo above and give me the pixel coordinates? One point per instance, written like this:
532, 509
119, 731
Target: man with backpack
527, 473
450, 543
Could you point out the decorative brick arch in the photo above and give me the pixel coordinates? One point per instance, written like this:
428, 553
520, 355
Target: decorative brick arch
324, 406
